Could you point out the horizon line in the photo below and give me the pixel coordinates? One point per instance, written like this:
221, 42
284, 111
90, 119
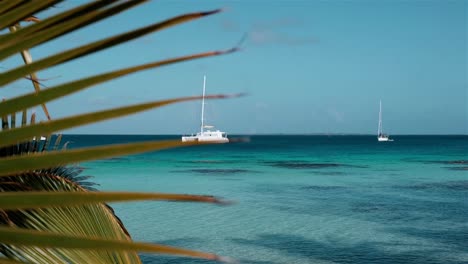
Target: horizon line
271, 134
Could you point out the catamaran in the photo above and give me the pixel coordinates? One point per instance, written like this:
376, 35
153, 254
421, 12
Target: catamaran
380, 135
206, 134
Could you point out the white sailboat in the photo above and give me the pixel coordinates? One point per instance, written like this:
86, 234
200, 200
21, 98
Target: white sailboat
206, 134
380, 134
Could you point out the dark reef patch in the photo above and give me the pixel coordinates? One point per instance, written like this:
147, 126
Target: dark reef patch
462, 168
329, 173
449, 185
307, 165
456, 165
219, 171
321, 187
216, 171
446, 162
208, 161
450, 162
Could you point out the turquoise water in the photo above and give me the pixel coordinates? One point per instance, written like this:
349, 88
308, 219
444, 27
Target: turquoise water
299, 199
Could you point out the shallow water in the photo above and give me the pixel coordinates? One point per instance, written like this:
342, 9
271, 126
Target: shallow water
299, 199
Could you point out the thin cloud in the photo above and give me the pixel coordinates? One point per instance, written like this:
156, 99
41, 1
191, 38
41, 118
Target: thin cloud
279, 31
279, 23
265, 37
273, 32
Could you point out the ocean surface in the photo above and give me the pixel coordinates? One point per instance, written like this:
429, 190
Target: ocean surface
298, 199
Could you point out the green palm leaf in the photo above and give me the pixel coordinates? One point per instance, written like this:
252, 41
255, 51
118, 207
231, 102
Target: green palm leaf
64, 230
32, 99
33, 77
53, 60
7, 5
29, 200
91, 220
9, 261
51, 159
47, 213
59, 24
23, 11
15, 135
16, 236
92, 9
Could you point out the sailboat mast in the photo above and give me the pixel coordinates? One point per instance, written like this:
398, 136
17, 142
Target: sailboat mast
380, 119
203, 105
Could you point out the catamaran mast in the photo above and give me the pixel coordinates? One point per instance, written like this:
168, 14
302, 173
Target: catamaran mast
203, 105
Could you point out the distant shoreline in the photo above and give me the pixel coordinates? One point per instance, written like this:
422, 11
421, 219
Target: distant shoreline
272, 134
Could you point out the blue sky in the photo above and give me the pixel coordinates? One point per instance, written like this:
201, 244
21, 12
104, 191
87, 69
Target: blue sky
307, 66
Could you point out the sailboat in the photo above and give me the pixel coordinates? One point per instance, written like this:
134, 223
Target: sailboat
380, 135
206, 134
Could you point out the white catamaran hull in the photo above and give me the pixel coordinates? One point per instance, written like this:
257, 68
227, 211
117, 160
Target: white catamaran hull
207, 136
205, 139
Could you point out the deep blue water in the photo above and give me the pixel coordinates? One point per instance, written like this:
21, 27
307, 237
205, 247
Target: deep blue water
299, 199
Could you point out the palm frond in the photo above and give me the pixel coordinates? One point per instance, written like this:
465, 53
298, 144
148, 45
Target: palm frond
26, 55
11, 136
15, 236
23, 10
10, 200
32, 99
93, 220
15, 74
33, 161
6, 6
49, 212
31, 36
